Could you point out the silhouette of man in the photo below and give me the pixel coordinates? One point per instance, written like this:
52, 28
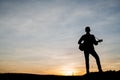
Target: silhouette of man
89, 41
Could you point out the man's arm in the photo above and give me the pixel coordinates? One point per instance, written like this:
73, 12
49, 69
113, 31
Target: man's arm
80, 40
95, 41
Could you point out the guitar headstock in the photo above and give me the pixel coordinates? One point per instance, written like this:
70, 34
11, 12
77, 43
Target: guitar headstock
100, 40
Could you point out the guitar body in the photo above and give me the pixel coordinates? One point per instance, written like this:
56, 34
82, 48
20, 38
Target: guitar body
81, 46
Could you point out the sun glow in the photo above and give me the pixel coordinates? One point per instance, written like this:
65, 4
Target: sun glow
68, 73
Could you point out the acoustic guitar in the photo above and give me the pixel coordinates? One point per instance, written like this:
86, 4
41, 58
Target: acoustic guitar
81, 46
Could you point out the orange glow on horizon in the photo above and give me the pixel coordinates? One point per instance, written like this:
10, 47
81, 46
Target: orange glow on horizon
65, 70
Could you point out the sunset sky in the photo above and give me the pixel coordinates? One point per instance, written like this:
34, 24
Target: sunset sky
41, 36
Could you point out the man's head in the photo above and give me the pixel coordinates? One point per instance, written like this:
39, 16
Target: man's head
87, 29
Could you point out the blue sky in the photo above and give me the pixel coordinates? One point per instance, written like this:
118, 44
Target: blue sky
35, 34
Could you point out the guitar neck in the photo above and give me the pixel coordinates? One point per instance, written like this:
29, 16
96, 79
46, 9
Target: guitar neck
100, 40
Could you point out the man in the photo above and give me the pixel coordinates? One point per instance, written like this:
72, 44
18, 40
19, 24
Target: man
88, 41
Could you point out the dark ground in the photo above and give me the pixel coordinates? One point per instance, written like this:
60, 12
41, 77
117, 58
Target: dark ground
107, 75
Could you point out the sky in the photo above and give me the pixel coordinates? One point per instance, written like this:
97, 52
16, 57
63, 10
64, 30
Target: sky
41, 36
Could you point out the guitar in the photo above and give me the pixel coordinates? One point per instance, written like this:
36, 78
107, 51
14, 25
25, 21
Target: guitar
100, 40
81, 46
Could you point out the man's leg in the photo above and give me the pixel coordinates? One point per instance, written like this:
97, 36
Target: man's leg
95, 55
87, 61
